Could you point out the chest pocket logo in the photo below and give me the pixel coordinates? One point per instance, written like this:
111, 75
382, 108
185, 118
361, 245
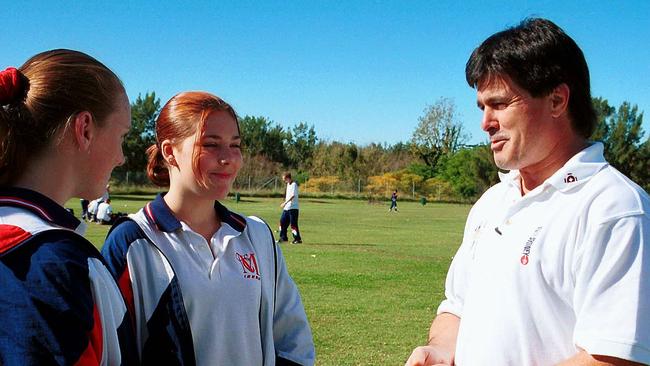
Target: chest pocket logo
249, 265
528, 245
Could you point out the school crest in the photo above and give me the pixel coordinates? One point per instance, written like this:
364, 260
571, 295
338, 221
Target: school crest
249, 265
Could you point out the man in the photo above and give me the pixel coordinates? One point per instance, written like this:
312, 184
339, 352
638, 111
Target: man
393, 201
554, 266
290, 211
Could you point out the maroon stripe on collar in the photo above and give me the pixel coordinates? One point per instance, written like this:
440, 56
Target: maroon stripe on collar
15, 201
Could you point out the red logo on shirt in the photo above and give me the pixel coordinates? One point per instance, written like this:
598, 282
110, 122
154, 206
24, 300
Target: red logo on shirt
249, 265
527, 246
570, 178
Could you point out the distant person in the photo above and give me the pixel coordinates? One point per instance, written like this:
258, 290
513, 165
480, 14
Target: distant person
555, 261
106, 195
84, 208
207, 285
290, 211
62, 118
93, 206
105, 212
393, 202
92, 209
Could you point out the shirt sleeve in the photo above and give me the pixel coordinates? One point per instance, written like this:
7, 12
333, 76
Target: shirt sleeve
114, 251
291, 333
612, 290
458, 274
47, 312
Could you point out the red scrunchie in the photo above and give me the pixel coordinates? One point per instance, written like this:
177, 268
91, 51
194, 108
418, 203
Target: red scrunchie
11, 85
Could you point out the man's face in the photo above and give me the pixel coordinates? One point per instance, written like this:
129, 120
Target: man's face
520, 127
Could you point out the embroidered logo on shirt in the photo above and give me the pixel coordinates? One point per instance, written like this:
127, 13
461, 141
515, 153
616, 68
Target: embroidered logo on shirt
528, 245
570, 178
249, 265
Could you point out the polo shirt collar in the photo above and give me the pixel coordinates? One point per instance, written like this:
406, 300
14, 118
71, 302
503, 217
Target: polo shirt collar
40, 205
575, 172
162, 216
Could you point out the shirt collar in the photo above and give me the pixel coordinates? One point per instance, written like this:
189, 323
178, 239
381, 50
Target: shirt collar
575, 172
40, 205
158, 213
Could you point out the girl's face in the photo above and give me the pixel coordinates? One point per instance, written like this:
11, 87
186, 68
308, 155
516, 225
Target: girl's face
219, 155
106, 149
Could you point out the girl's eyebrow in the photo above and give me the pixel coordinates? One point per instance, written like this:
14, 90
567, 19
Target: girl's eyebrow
217, 137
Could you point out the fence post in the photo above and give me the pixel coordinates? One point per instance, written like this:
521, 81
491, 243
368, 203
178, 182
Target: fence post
413, 195
359, 186
127, 177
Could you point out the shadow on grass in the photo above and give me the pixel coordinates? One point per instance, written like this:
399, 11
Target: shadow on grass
244, 200
131, 197
340, 245
317, 201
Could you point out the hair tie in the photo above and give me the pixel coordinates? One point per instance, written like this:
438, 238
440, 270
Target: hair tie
11, 85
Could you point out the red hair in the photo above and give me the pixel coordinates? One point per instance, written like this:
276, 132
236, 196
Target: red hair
184, 115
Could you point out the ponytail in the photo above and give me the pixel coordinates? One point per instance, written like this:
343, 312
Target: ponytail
156, 167
15, 124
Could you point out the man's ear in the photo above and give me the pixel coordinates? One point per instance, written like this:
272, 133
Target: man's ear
84, 129
167, 151
560, 100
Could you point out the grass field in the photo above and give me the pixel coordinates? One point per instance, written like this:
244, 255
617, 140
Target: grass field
370, 280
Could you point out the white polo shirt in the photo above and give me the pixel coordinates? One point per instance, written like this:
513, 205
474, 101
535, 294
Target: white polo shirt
566, 265
224, 301
292, 190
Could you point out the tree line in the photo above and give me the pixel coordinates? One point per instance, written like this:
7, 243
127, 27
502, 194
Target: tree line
436, 160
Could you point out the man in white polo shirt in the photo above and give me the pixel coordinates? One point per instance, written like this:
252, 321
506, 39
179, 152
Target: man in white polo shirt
554, 267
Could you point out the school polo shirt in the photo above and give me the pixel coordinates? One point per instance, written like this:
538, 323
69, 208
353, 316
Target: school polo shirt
292, 190
565, 266
229, 301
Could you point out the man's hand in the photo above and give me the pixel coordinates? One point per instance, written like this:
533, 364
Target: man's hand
282, 204
442, 343
429, 356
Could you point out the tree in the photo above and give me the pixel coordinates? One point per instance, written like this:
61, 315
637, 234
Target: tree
439, 132
144, 112
470, 171
301, 143
624, 139
260, 137
603, 112
620, 130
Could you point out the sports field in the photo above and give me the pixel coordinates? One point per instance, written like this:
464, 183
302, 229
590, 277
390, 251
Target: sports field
370, 280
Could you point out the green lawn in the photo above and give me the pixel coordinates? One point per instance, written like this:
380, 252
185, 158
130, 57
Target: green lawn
370, 280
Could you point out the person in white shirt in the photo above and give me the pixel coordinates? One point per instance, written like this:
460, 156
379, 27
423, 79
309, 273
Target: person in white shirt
207, 286
92, 210
553, 268
290, 211
105, 212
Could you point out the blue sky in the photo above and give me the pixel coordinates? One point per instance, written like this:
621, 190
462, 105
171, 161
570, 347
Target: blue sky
359, 71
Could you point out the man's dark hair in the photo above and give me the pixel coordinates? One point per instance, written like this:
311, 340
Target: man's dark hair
538, 56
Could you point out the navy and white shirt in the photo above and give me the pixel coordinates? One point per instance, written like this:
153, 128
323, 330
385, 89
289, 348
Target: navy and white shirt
59, 305
229, 301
